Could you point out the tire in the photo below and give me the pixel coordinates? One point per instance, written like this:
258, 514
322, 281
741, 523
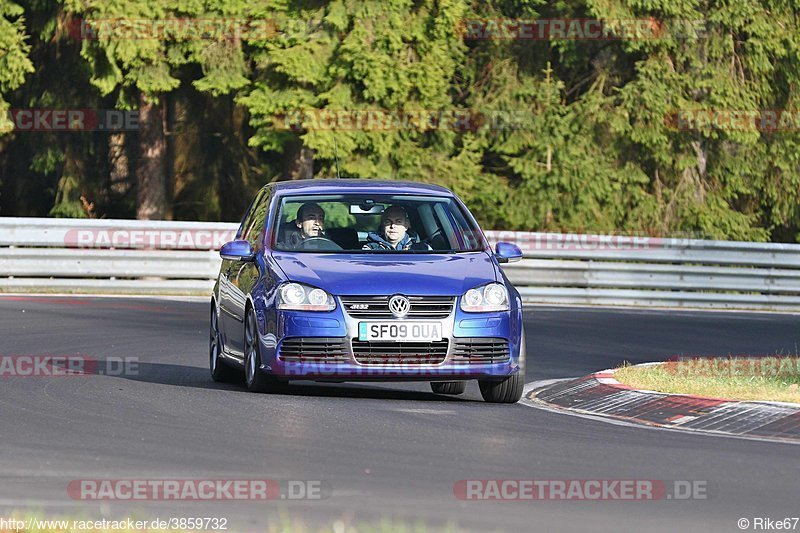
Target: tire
220, 371
510, 389
254, 378
448, 387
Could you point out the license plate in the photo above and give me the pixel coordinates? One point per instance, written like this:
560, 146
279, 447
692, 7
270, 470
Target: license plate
400, 331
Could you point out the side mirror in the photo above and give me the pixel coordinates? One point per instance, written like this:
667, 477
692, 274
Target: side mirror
237, 251
507, 252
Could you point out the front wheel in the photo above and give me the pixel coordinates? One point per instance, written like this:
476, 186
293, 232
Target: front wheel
255, 379
510, 389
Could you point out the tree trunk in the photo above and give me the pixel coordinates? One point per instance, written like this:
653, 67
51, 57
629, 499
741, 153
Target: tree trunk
299, 162
151, 175
8, 183
119, 174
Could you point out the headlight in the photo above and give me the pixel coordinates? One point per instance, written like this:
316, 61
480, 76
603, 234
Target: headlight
292, 294
299, 297
472, 298
491, 297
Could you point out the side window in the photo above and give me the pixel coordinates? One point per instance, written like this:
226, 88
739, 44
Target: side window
253, 222
471, 237
254, 230
247, 221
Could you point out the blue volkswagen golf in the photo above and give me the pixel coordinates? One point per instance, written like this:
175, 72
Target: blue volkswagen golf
363, 280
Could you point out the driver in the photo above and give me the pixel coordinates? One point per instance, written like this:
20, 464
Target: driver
310, 222
394, 232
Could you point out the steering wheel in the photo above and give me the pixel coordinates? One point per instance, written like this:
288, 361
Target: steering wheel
318, 243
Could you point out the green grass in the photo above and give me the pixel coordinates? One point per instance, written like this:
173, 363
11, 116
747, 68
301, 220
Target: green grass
766, 379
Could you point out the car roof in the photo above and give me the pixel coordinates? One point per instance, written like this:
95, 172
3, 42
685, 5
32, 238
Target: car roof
372, 186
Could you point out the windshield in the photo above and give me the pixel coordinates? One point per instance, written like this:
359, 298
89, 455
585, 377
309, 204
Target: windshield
365, 223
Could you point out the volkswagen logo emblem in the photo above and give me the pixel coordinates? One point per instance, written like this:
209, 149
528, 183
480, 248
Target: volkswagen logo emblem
399, 305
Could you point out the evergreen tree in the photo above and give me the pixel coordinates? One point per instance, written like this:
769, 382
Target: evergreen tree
535, 134
14, 50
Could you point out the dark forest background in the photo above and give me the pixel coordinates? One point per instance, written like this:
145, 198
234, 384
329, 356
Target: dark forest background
595, 150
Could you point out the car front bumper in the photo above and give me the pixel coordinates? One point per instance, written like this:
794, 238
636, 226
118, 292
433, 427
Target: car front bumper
345, 365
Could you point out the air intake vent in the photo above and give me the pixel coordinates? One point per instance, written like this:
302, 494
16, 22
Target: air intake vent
480, 350
328, 349
400, 353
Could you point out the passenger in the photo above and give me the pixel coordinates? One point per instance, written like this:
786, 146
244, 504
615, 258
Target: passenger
394, 232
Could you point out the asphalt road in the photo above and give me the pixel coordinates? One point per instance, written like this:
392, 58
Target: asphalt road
386, 451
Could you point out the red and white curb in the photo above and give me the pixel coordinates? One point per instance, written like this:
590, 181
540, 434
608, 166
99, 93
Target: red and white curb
601, 396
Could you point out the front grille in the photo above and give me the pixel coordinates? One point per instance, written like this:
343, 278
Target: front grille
328, 349
480, 350
378, 306
405, 353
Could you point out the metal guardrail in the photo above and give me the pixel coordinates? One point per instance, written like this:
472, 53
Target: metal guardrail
146, 257
110, 256
644, 271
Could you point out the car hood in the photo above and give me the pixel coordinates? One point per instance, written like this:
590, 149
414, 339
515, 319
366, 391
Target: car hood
372, 274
